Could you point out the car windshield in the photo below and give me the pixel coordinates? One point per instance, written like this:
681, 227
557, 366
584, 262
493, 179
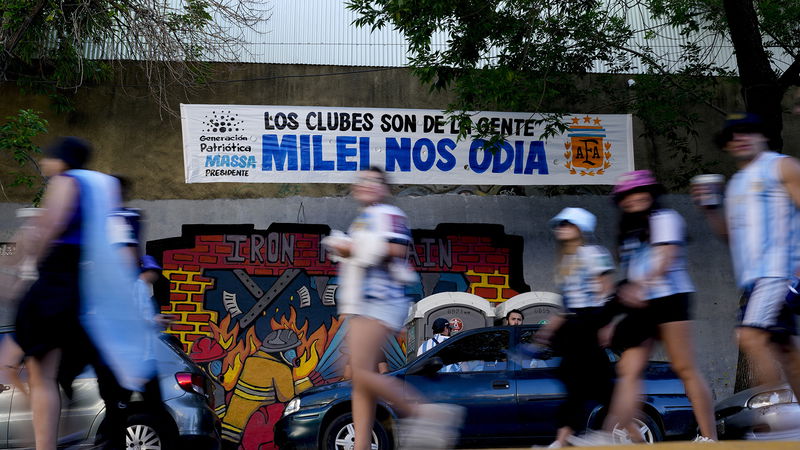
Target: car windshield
479, 352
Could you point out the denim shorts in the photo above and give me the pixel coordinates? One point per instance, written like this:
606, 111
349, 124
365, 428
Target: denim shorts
392, 312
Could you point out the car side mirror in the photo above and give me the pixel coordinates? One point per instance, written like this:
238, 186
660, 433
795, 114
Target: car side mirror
428, 367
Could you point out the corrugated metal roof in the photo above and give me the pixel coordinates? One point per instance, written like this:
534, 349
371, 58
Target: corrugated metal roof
320, 32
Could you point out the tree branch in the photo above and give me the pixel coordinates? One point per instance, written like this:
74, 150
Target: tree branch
663, 72
791, 77
12, 43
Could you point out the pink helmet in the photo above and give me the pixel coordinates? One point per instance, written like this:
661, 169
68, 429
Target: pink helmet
636, 181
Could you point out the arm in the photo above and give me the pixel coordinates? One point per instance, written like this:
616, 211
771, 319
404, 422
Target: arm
545, 333
631, 294
59, 204
607, 284
790, 177
714, 216
716, 221
664, 255
394, 250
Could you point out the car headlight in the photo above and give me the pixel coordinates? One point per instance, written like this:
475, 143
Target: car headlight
292, 407
770, 398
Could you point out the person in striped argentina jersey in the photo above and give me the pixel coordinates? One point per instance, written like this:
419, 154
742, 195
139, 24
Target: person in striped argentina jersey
584, 275
656, 297
761, 223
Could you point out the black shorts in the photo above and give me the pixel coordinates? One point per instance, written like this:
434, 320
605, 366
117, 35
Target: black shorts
641, 324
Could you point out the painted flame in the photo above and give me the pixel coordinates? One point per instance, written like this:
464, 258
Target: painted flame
311, 345
236, 350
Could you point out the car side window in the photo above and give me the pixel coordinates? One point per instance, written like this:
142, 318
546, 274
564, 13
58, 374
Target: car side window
482, 352
529, 362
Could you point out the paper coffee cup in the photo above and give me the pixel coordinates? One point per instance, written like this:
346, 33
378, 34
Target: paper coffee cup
27, 213
712, 184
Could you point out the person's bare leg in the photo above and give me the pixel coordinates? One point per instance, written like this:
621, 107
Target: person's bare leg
760, 350
365, 340
626, 398
678, 342
361, 338
563, 434
45, 398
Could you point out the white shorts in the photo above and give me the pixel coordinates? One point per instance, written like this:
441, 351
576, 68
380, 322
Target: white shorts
392, 313
765, 306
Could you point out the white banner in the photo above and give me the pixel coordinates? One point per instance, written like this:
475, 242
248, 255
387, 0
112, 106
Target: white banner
302, 144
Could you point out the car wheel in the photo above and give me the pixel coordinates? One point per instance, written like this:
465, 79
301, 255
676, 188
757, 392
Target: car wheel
144, 432
647, 427
340, 435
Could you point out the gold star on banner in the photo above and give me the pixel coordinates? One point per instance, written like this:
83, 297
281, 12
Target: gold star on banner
576, 121
597, 121
587, 119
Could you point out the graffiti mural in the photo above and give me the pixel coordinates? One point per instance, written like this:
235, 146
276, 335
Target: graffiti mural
256, 309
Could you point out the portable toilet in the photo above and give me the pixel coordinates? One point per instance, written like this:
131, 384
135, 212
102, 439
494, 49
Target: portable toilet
536, 306
463, 310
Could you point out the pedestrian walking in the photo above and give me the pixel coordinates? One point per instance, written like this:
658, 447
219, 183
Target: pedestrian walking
760, 221
80, 309
584, 274
656, 296
372, 274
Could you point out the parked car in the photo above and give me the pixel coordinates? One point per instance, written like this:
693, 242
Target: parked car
189, 422
508, 400
762, 411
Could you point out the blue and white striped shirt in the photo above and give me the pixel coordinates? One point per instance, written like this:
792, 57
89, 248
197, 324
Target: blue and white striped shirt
638, 261
391, 223
580, 286
763, 222
432, 343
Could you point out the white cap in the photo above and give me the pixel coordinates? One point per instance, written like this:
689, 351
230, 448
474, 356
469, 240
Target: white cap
579, 217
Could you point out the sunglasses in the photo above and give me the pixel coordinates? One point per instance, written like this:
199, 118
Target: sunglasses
562, 223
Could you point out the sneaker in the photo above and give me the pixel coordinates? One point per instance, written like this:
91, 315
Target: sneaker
555, 444
701, 438
593, 438
435, 427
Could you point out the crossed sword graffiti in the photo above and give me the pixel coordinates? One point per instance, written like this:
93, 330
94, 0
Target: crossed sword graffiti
265, 299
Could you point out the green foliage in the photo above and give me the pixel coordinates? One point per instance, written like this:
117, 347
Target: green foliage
16, 143
51, 47
502, 55
533, 55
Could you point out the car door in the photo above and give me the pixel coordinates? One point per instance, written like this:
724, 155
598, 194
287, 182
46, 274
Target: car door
482, 383
77, 413
539, 392
6, 390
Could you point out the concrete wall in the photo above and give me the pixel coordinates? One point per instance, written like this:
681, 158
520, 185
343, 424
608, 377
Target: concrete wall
714, 306
134, 137
137, 139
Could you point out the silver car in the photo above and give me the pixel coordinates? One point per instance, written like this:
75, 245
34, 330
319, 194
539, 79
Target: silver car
761, 412
186, 391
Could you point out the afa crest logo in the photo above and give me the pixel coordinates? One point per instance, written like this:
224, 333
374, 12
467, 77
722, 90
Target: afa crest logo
586, 152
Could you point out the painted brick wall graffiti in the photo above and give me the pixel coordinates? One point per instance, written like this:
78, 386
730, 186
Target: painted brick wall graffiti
257, 310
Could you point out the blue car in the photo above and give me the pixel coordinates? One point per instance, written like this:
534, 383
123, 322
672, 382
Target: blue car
508, 401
